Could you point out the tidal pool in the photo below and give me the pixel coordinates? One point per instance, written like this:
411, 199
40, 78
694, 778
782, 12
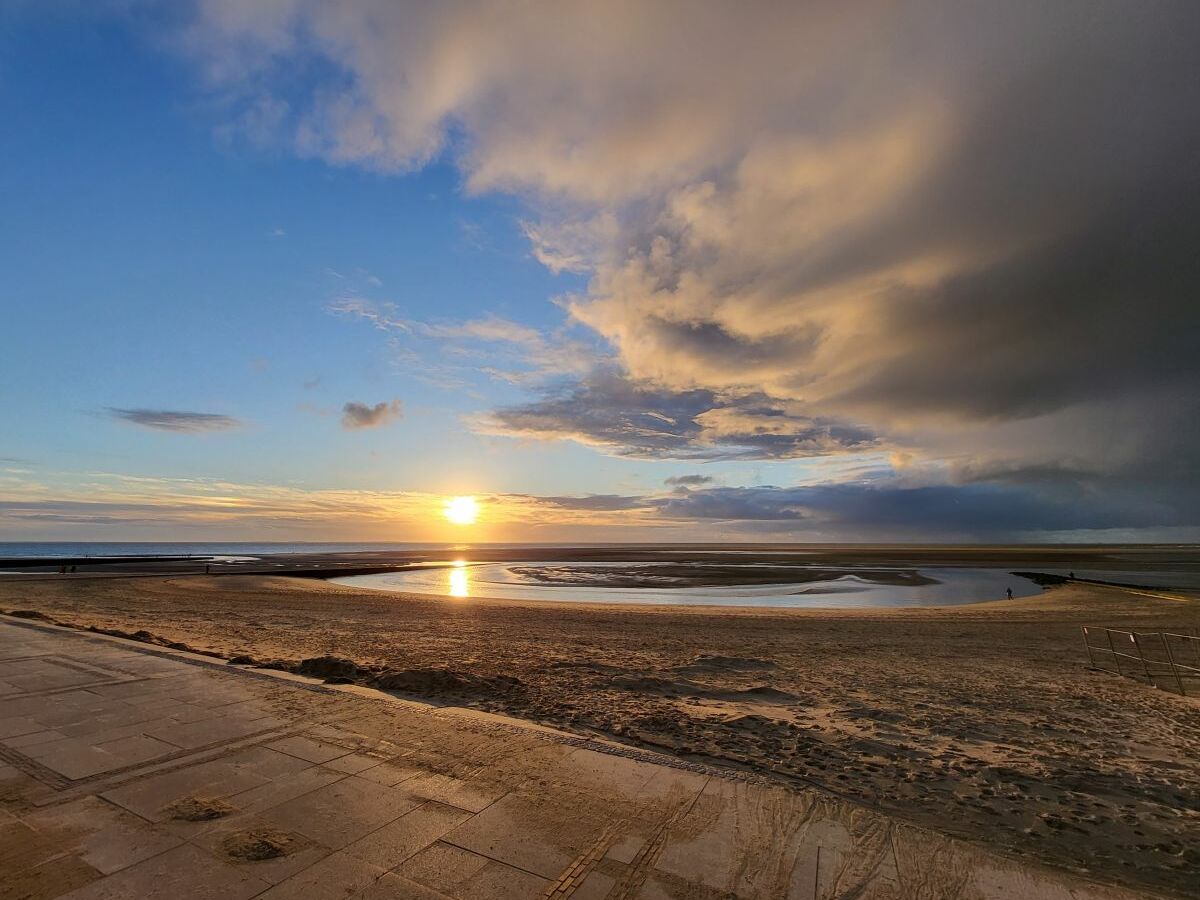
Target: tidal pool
728, 584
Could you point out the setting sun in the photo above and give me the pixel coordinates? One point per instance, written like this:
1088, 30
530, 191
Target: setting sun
461, 510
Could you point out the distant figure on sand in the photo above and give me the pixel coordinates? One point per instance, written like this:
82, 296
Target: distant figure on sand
206, 568
1009, 590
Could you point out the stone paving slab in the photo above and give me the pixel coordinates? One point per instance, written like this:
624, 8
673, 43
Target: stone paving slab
135, 772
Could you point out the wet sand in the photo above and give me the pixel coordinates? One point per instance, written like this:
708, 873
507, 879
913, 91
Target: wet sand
981, 721
700, 575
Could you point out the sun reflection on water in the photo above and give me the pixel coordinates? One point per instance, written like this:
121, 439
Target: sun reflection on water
460, 585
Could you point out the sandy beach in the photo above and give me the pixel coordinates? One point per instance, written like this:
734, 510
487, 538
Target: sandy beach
981, 721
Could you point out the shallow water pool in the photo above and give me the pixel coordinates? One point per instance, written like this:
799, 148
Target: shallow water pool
594, 582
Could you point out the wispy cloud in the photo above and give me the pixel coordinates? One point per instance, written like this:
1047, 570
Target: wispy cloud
382, 315
174, 420
688, 481
598, 503
574, 244
357, 415
499, 349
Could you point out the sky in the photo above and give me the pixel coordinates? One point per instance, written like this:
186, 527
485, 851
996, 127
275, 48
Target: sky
291, 270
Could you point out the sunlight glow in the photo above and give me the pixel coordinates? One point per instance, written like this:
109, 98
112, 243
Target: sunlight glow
460, 585
461, 510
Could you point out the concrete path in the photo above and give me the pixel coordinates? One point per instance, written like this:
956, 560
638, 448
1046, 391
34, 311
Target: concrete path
131, 772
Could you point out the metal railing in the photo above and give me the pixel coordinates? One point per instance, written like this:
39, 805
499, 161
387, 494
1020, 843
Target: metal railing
1163, 659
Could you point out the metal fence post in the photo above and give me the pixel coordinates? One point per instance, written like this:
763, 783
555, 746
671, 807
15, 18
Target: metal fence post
1088, 645
1174, 668
1113, 649
1133, 637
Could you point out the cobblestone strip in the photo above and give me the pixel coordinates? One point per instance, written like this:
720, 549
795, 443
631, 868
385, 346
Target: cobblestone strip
574, 874
34, 769
635, 876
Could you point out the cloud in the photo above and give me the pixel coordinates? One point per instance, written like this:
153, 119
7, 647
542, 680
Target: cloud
638, 419
592, 502
856, 511
178, 421
120, 500
81, 512
382, 316
963, 231
359, 415
688, 481
498, 348
735, 504
511, 352
573, 244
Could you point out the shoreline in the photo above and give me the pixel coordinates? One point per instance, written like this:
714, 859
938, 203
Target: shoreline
330, 582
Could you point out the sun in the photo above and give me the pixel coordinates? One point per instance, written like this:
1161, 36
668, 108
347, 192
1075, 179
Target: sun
461, 510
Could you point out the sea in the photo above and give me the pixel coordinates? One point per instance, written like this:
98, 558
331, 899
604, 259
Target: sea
59, 549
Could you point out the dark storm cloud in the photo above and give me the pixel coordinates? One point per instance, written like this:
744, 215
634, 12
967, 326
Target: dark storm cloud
634, 419
1092, 316
737, 504
360, 415
1034, 503
972, 509
178, 421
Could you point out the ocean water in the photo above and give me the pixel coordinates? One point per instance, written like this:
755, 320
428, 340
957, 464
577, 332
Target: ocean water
59, 549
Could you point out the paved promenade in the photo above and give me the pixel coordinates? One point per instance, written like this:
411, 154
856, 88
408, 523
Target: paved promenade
132, 772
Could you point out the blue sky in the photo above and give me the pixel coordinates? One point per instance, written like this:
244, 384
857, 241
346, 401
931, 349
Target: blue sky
562, 279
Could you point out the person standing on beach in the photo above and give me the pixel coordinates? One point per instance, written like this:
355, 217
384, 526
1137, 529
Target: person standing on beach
1009, 591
